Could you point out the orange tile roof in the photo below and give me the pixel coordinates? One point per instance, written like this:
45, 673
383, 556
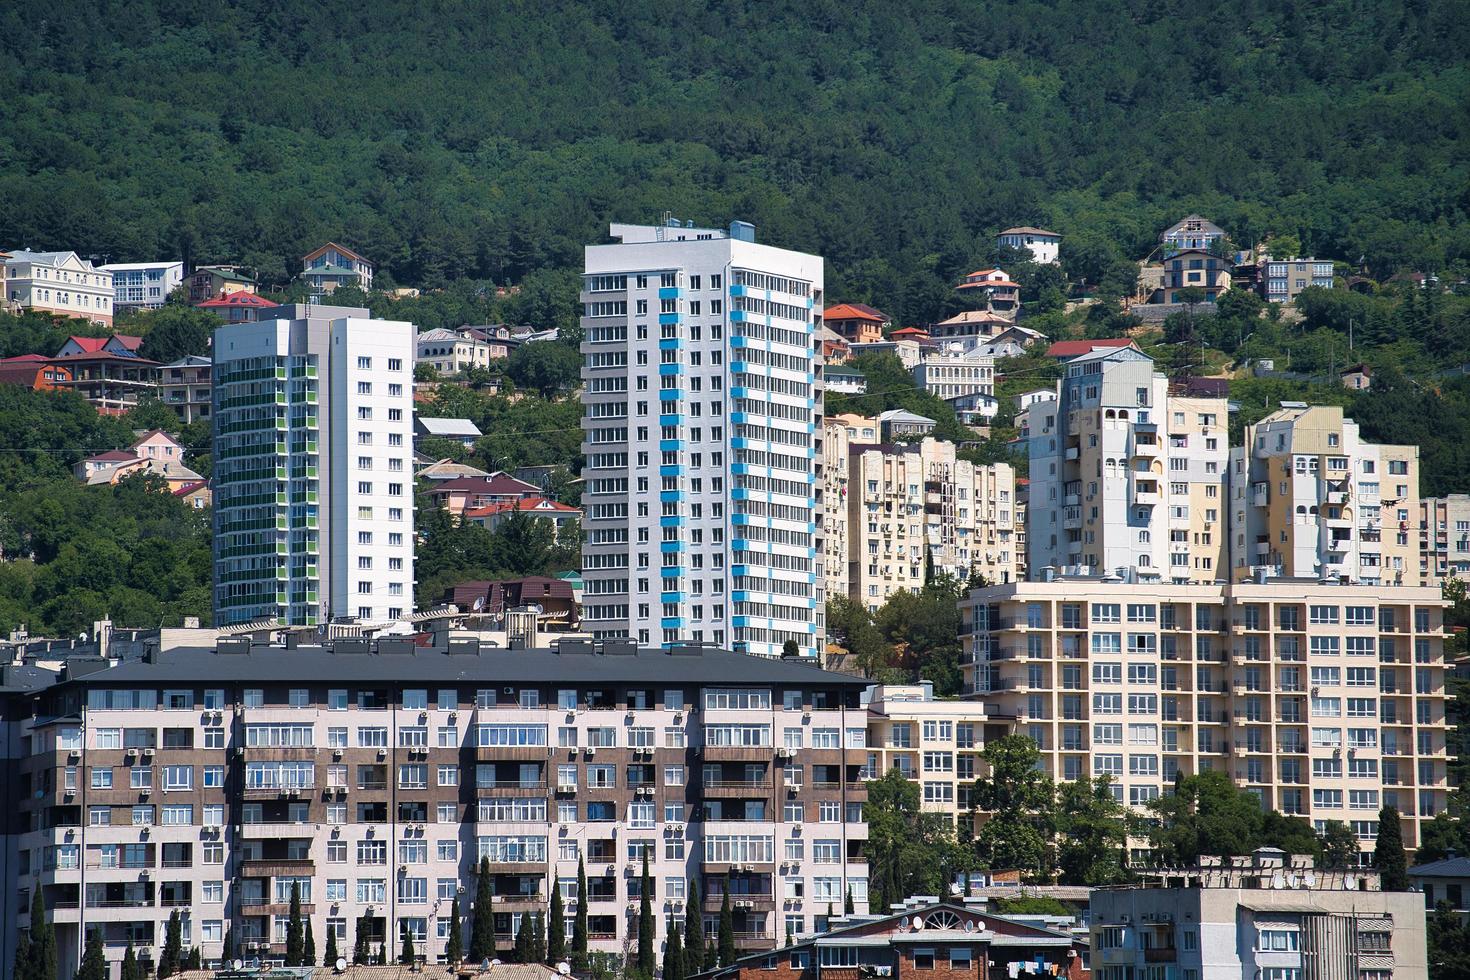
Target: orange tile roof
1076, 348
853, 311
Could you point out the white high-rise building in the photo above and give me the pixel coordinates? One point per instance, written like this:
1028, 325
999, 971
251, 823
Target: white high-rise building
313, 481
702, 413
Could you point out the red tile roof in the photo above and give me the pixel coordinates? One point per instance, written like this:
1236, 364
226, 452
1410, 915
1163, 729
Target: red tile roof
496, 485
1076, 348
126, 342
854, 311
89, 345
190, 487
25, 359
236, 299
910, 332
538, 505
113, 456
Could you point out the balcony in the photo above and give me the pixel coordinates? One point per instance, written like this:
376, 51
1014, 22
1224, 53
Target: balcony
271, 867
736, 787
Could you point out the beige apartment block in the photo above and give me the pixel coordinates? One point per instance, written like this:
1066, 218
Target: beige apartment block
1444, 538
1311, 498
1326, 700
932, 741
898, 511
1126, 479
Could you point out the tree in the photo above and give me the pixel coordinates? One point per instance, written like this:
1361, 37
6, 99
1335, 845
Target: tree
131, 970
170, 961
308, 946
1339, 846
647, 962
579, 920
231, 949
1291, 834
454, 948
538, 938
177, 331
362, 950
405, 955
727, 931
43, 955
556, 929
790, 649
1206, 814
482, 935
673, 956
1020, 800
195, 960
1092, 833
1388, 853
545, 367
94, 961
522, 951
295, 935
910, 852
330, 957
21, 967
694, 961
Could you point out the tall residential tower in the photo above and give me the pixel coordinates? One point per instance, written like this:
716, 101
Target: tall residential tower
701, 410
313, 484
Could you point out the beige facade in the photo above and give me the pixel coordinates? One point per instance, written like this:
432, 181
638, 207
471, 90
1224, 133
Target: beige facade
59, 282
1328, 701
1444, 538
1311, 498
897, 512
1125, 478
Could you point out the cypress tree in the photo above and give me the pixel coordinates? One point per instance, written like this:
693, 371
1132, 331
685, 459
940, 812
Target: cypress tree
295, 939
383, 952
556, 929
579, 921
130, 968
727, 929
694, 961
646, 962
673, 955
521, 952
43, 941
196, 961
538, 938
1388, 853
482, 934
94, 963
362, 952
454, 951
711, 955
232, 951
790, 936
308, 947
330, 957
173, 947
405, 956
22, 968
847, 907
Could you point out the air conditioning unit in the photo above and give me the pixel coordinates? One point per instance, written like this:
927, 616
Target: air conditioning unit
589, 751
1125, 919
147, 753
566, 787
74, 754
131, 753
382, 753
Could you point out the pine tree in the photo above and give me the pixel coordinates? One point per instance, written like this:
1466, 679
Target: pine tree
673, 956
308, 947
847, 906
646, 961
43, 963
694, 961
1388, 853
130, 968
405, 957
330, 957
579, 922
94, 963
173, 947
482, 934
727, 930
295, 945
520, 951
556, 929
454, 951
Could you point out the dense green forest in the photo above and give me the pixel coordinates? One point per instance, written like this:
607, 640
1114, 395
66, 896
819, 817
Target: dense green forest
456, 141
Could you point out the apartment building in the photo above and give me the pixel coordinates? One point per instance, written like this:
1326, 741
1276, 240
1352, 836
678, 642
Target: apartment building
313, 485
915, 510
935, 743
952, 373
1045, 246
1444, 538
62, 283
1311, 497
700, 403
374, 777
143, 285
1286, 278
1268, 915
184, 385
328, 266
1191, 232
1125, 477
1326, 700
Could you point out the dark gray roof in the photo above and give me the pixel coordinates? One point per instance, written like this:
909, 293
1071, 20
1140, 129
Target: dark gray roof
403, 662
18, 677
1450, 867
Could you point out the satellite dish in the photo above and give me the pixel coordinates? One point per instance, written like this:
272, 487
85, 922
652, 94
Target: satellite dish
970, 925
1309, 879
255, 963
1278, 880
564, 968
341, 964
485, 963
918, 923
238, 964
495, 962
903, 923
1349, 882
479, 603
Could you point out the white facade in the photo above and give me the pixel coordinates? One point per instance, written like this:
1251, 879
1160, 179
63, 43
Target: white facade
953, 374
143, 285
1045, 246
59, 282
702, 388
327, 466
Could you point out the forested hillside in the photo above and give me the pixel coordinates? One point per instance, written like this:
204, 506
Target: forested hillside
453, 140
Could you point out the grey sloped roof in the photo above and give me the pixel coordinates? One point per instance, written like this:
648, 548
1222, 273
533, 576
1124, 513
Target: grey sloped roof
1451, 867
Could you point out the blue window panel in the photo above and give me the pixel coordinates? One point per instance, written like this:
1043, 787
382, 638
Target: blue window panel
672, 343
670, 496
668, 292
670, 445
670, 394
670, 470
669, 547
668, 369
664, 318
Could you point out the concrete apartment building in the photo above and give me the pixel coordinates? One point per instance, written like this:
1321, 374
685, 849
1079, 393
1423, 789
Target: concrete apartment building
954, 373
1125, 477
374, 776
896, 512
62, 283
184, 385
1310, 497
1444, 538
1286, 278
701, 400
1328, 701
1267, 915
143, 285
313, 484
